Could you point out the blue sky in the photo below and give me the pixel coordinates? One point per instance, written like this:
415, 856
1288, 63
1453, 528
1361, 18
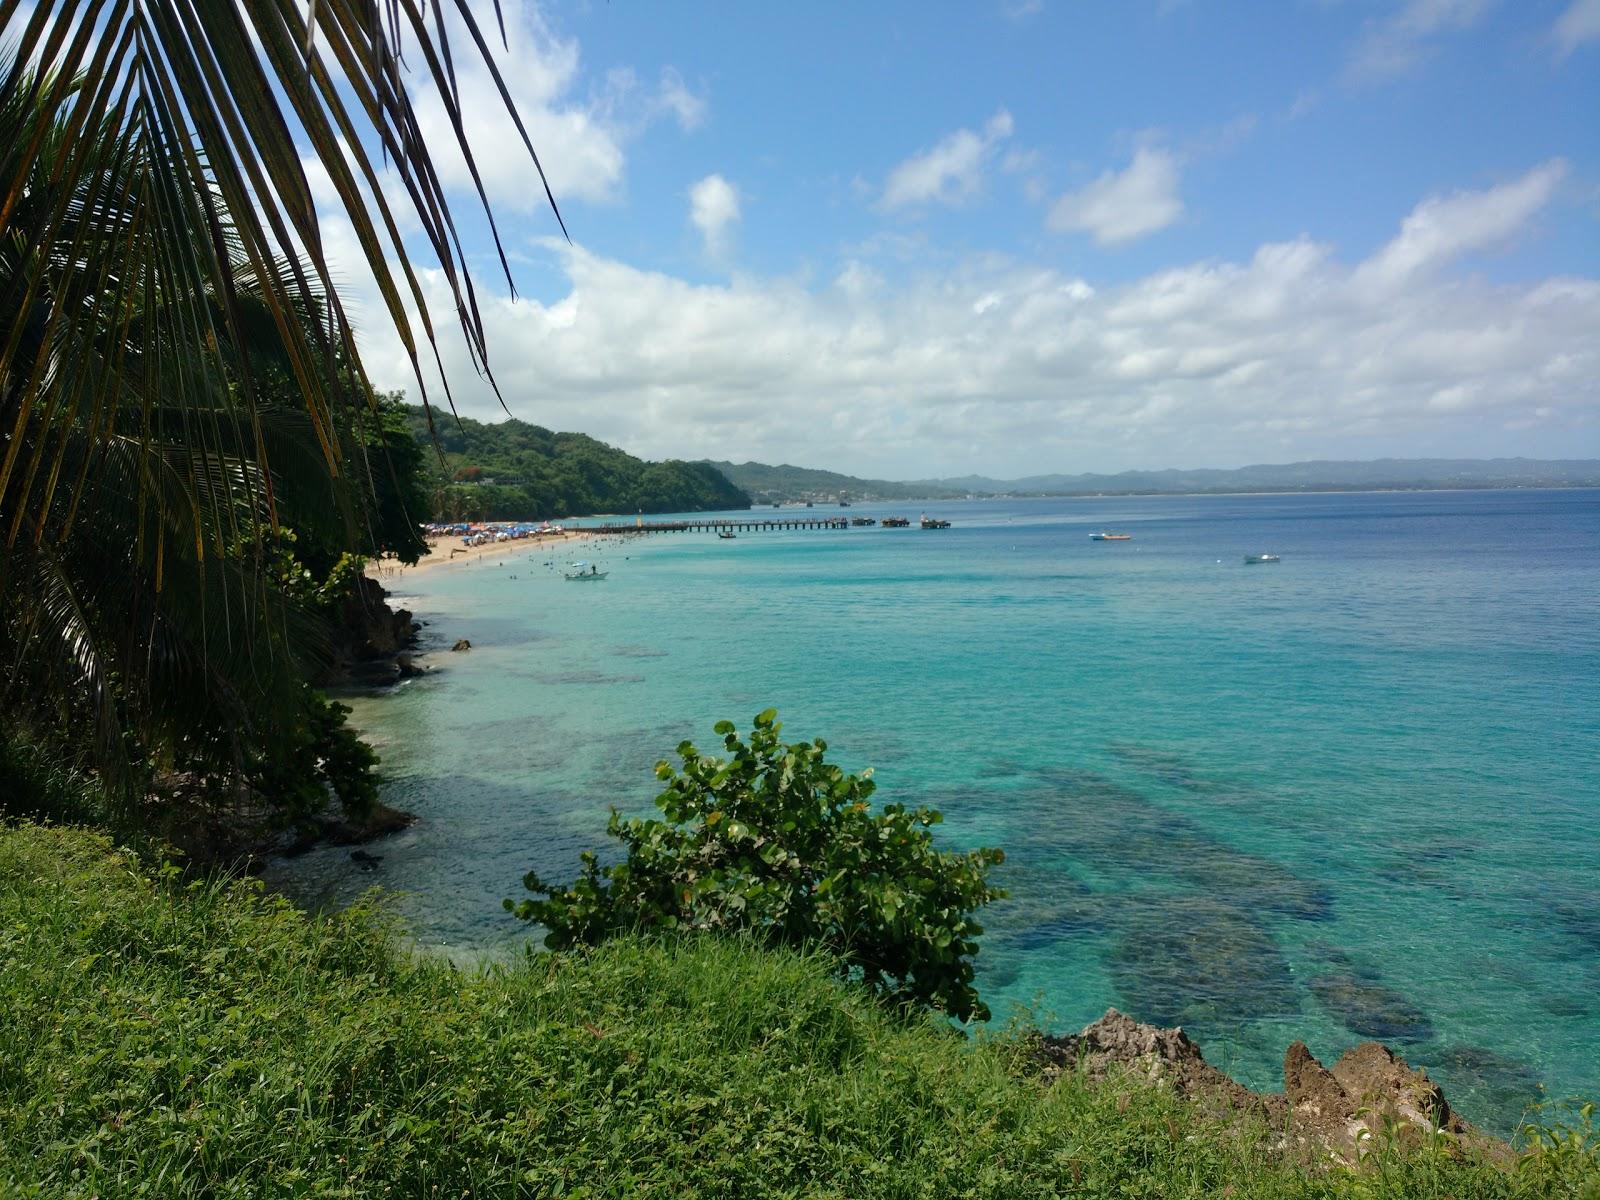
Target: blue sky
1042, 235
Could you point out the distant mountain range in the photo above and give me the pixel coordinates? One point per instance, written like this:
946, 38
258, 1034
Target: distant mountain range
769, 484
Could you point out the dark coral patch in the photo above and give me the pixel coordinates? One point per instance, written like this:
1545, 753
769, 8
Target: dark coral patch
1185, 960
1369, 1008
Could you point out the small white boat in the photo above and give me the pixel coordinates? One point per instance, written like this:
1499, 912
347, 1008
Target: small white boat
1110, 537
1252, 559
585, 571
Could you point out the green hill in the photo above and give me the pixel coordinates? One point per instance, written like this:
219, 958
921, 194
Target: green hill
514, 471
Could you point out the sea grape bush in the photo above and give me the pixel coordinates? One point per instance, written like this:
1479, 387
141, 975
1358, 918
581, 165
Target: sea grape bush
773, 841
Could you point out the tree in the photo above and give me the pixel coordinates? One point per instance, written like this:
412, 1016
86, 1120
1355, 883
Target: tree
775, 842
536, 473
177, 373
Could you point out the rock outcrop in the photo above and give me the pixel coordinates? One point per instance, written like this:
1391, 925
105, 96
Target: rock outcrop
334, 828
1369, 1093
370, 638
1117, 1045
1331, 1113
378, 631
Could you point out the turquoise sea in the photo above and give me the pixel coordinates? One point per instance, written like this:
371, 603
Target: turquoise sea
1354, 794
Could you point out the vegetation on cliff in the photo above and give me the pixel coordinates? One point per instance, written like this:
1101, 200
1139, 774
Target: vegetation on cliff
192, 462
201, 1039
513, 471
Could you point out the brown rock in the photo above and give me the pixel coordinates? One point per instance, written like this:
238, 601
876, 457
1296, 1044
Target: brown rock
462, 644
1321, 1112
1117, 1043
1309, 1088
1369, 1093
1328, 1113
1380, 1079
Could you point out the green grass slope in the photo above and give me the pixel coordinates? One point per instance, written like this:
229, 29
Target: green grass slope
170, 1040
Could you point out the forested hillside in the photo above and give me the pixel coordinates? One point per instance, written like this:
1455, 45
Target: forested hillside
512, 470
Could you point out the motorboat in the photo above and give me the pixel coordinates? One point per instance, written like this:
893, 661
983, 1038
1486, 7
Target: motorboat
1110, 537
585, 571
934, 523
725, 534
1252, 559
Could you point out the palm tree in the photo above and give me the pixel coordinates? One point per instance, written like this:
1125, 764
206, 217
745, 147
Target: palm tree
177, 373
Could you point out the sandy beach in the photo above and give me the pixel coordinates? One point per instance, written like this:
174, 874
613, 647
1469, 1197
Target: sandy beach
447, 553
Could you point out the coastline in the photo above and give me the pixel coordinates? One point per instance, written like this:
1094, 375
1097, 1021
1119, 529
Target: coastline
581, 682
442, 555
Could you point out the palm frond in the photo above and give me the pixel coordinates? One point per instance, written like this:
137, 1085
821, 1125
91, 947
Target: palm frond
211, 98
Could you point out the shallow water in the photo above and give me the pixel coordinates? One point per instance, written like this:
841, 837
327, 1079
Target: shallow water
1349, 795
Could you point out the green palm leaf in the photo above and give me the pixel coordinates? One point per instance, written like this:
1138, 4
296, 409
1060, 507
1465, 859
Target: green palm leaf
177, 372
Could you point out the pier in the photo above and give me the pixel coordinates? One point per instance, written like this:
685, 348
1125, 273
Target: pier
720, 525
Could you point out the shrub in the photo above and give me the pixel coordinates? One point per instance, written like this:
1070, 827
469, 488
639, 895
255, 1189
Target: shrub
774, 841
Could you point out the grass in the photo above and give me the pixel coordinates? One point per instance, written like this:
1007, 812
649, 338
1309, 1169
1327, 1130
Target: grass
169, 1039
35, 784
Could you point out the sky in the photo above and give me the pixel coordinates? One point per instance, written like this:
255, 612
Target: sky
1026, 236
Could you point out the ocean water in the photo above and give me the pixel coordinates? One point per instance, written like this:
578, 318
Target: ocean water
1354, 794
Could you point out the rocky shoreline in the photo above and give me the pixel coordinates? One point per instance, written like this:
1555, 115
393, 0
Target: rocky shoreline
372, 647
1328, 1114
375, 643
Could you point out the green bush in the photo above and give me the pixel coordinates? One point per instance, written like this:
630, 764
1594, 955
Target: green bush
775, 841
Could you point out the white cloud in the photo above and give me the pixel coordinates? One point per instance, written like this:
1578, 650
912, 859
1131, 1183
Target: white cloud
580, 141
1122, 206
713, 208
995, 366
1579, 24
1393, 46
580, 153
675, 97
951, 172
1442, 228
